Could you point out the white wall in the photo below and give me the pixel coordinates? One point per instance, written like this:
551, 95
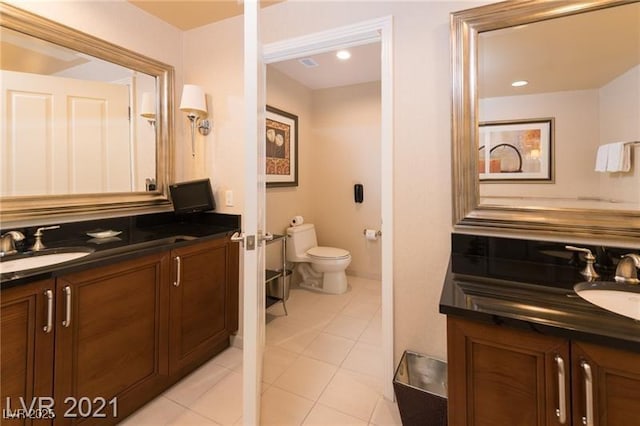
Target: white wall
620, 121
283, 203
575, 141
338, 146
422, 145
346, 151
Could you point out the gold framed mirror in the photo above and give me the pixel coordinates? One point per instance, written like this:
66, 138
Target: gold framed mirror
483, 40
86, 132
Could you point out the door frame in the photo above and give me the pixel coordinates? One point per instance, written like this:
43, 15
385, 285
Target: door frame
365, 32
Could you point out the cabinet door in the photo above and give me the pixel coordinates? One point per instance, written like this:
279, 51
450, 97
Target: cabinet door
504, 376
612, 398
202, 311
111, 339
26, 357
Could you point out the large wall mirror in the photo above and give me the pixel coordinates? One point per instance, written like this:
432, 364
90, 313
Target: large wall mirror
86, 125
558, 154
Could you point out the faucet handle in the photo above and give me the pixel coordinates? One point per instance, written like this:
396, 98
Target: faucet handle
37, 245
589, 271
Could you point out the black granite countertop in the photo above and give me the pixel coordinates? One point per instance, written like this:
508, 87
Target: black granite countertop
529, 285
138, 236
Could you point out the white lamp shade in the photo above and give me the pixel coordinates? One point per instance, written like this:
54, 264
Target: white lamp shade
193, 100
148, 108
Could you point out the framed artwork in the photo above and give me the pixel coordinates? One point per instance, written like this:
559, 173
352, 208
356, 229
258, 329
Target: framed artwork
281, 148
519, 150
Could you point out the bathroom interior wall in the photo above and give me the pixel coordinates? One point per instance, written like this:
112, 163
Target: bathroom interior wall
576, 141
338, 146
346, 151
619, 112
282, 203
119, 22
422, 138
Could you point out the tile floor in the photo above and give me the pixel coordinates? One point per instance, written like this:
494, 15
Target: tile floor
322, 366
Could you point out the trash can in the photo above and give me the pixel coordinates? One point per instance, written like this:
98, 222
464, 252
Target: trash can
420, 383
279, 288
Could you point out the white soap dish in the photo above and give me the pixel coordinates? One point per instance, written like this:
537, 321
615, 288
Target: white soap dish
104, 234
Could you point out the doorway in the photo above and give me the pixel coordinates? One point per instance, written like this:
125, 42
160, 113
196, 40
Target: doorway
375, 31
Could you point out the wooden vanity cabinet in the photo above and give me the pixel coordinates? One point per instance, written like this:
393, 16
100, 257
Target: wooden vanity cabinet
505, 376
111, 338
123, 332
203, 302
26, 331
615, 376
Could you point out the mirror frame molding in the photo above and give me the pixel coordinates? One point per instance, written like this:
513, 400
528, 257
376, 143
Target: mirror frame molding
33, 208
468, 214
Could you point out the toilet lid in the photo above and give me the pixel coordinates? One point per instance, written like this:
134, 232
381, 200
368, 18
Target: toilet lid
327, 252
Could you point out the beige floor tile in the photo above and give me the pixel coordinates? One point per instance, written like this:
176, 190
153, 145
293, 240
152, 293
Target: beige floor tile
365, 358
191, 418
373, 333
193, 386
360, 309
160, 411
291, 338
282, 408
346, 326
275, 361
321, 415
306, 377
230, 358
386, 414
351, 394
222, 403
329, 348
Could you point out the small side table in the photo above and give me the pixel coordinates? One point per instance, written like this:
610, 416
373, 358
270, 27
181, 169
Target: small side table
271, 274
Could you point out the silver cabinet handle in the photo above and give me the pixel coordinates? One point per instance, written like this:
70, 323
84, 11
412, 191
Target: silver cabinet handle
176, 283
67, 298
561, 411
49, 326
587, 420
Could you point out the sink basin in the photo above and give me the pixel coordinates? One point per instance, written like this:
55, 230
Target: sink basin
623, 299
41, 259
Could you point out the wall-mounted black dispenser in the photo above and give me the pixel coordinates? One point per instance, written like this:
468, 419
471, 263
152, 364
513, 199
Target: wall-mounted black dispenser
358, 193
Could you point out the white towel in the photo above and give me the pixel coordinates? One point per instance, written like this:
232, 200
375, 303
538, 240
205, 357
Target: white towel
601, 158
619, 157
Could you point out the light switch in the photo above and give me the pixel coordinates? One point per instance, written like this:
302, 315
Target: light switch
228, 198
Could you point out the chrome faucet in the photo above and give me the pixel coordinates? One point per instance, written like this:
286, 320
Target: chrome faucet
627, 270
8, 242
37, 246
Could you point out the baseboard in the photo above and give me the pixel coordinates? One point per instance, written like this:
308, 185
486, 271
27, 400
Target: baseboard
236, 341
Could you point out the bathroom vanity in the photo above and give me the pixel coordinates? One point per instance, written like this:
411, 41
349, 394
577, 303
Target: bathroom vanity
106, 333
524, 349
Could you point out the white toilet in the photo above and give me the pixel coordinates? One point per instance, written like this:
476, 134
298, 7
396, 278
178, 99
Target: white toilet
321, 268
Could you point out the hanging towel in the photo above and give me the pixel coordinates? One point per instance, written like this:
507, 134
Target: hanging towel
619, 157
601, 158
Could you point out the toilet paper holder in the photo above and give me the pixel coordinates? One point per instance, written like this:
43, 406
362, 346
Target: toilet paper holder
378, 233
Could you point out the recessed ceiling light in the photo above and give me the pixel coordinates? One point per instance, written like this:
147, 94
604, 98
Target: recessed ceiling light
519, 83
343, 54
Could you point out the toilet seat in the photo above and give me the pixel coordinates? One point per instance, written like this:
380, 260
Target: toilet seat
328, 253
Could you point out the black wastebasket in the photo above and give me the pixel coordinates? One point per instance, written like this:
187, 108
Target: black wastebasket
420, 384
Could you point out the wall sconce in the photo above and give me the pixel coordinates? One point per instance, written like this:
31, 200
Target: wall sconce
148, 108
194, 103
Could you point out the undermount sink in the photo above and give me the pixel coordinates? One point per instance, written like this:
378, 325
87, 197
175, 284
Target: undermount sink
41, 259
623, 299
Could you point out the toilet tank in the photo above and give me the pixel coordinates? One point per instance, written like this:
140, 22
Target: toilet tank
300, 239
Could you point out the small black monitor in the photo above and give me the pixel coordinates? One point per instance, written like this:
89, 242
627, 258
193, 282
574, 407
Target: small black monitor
192, 197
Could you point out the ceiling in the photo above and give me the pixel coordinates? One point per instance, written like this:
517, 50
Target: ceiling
187, 15
362, 67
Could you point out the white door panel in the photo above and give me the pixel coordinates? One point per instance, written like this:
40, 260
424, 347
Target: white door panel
74, 135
